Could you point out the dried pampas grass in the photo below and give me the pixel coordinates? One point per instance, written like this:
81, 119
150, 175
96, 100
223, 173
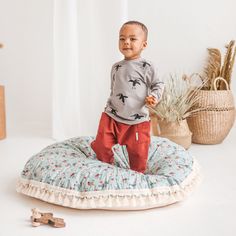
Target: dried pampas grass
227, 67
179, 98
215, 68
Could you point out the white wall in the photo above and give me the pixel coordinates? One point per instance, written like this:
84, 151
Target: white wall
26, 63
179, 33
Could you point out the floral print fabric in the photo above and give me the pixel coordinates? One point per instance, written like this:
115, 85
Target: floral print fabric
72, 165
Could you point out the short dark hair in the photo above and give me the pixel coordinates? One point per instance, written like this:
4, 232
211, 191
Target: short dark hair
133, 22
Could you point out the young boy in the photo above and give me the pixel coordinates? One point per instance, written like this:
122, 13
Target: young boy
134, 84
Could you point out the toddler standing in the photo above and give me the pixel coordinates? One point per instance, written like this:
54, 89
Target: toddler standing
134, 84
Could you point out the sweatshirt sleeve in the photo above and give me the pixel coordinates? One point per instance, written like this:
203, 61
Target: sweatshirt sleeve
112, 79
156, 86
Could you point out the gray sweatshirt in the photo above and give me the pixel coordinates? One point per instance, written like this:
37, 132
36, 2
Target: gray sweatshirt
131, 82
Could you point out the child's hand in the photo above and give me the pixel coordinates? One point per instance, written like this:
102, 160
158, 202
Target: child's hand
151, 101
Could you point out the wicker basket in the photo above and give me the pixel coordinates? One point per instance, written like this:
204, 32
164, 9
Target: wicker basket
177, 132
212, 125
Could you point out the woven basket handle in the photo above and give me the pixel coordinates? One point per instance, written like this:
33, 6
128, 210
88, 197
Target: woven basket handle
220, 78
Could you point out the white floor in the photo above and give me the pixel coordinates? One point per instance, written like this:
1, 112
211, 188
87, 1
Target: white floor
211, 210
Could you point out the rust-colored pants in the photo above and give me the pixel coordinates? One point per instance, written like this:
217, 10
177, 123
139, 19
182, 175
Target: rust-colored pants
135, 137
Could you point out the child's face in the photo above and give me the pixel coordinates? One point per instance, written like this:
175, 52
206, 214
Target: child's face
132, 41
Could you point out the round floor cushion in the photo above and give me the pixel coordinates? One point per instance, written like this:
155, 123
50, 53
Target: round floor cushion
69, 174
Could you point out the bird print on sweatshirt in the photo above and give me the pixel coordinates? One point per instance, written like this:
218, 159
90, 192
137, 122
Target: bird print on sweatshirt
134, 82
146, 63
137, 116
117, 67
122, 97
113, 111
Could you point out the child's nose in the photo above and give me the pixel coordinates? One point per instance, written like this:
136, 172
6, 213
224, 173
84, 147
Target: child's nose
126, 41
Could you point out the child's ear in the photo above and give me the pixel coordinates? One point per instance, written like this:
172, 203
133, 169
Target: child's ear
144, 44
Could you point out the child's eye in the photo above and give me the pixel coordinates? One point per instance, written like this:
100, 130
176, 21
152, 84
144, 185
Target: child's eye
122, 39
133, 39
